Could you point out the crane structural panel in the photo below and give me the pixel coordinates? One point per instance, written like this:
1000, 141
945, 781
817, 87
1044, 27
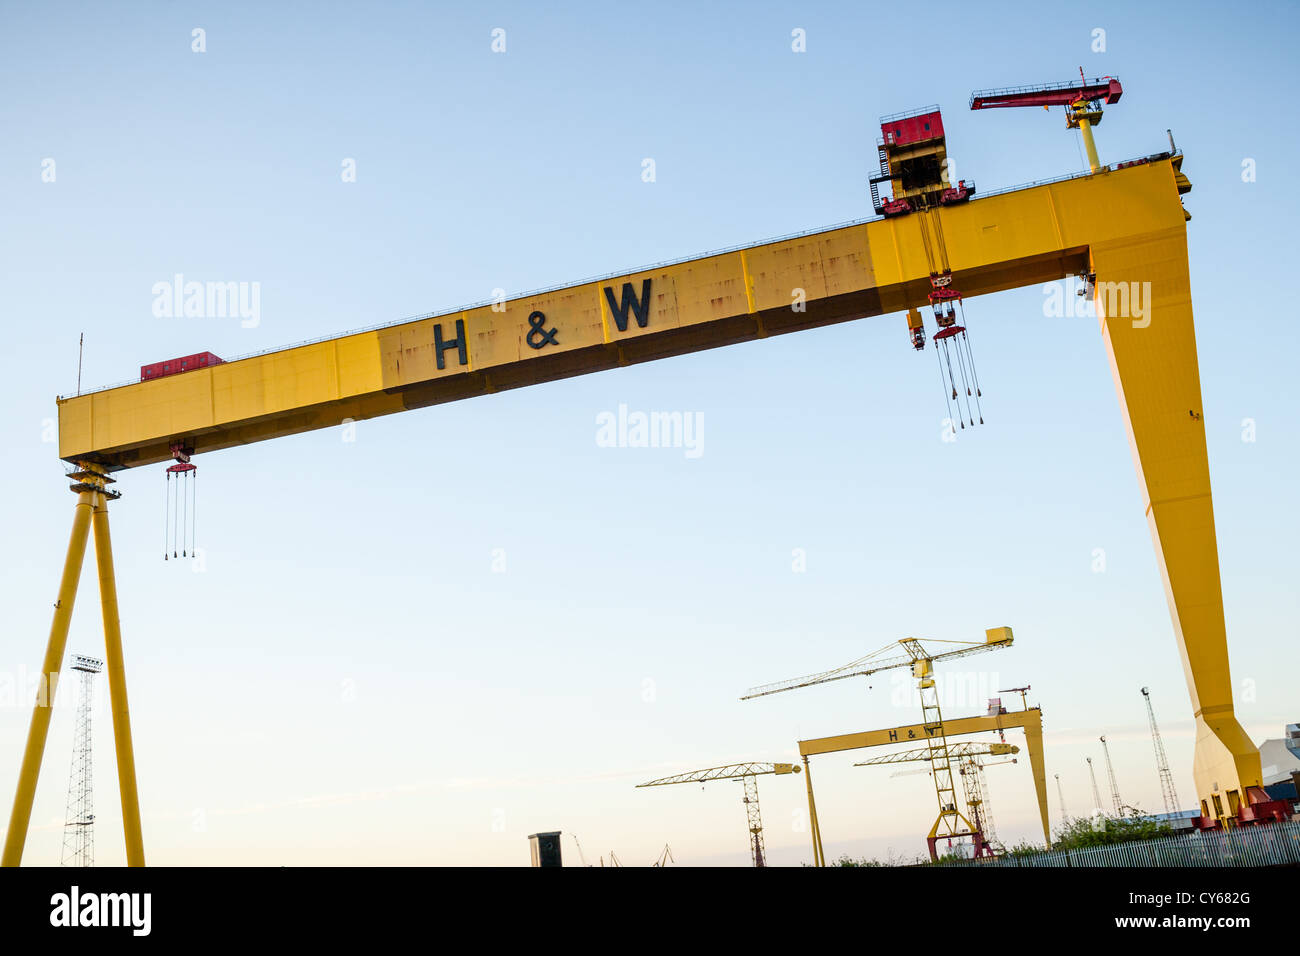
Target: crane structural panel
1124, 227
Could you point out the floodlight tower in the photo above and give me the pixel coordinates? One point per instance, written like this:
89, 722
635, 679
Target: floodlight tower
1110, 772
79, 823
1162, 761
1096, 795
1060, 792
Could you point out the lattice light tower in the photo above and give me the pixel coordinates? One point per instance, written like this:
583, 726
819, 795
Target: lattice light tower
1162, 762
79, 823
1096, 794
1110, 772
1060, 792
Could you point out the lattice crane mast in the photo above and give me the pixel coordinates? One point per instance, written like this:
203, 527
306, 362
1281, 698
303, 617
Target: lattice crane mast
748, 774
1082, 102
977, 800
910, 652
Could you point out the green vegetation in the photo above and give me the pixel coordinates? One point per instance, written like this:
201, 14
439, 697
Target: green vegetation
1104, 831
1098, 831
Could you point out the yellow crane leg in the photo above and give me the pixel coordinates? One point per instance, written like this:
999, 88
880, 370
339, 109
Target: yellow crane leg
1034, 744
20, 816
117, 688
819, 856
1144, 307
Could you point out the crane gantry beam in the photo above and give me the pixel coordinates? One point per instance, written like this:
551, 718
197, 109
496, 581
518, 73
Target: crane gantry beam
1123, 227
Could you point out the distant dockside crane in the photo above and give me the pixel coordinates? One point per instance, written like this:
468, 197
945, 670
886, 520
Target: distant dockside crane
748, 774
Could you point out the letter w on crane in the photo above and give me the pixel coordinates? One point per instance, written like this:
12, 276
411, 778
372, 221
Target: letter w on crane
640, 307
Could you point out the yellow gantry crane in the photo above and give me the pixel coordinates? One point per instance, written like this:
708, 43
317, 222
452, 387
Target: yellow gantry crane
1121, 226
910, 652
748, 774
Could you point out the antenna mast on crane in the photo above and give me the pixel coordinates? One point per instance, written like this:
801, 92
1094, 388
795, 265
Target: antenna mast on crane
1162, 762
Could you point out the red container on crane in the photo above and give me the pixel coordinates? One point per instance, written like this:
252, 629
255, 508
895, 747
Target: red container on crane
186, 363
905, 130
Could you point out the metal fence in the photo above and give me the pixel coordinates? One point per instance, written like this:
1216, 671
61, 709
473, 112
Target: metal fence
1273, 844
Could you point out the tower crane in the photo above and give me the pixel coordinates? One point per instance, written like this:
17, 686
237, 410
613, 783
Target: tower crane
921, 658
1167, 790
748, 774
665, 857
971, 770
1082, 102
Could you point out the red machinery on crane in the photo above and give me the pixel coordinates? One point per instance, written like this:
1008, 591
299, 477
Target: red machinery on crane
914, 161
1082, 102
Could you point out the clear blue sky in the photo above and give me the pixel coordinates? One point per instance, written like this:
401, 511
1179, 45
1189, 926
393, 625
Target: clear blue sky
349, 681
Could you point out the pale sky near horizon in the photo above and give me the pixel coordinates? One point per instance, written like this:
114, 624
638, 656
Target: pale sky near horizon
422, 641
